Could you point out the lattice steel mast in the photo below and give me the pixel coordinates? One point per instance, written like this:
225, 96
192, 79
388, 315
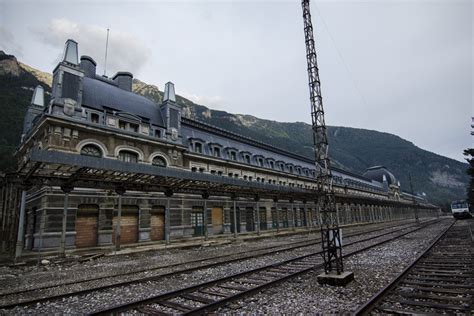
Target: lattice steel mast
330, 233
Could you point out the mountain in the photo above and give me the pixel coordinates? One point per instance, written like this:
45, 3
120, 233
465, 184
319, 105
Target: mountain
441, 178
16, 88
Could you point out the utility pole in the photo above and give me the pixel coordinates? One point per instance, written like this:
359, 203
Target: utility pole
415, 205
330, 233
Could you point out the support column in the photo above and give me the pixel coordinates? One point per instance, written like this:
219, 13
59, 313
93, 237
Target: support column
309, 221
120, 191
417, 216
348, 213
257, 206
205, 196
293, 211
319, 214
275, 203
361, 218
67, 188
21, 225
168, 194
235, 215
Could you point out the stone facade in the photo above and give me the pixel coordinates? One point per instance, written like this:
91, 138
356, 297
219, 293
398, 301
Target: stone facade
100, 117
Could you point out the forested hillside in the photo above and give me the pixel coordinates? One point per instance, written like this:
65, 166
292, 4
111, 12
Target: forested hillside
441, 178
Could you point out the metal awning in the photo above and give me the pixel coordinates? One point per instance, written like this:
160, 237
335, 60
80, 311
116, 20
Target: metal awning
57, 168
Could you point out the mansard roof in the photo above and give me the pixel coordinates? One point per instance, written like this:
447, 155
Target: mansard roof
199, 127
100, 94
378, 173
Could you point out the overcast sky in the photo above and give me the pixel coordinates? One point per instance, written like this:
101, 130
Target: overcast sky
403, 67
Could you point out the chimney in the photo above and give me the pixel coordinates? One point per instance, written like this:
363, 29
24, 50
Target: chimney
67, 85
124, 80
169, 92
88, 65
38, 96
171, 113
34, 110
70, 52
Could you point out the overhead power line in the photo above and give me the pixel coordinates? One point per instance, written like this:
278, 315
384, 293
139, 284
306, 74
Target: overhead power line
349, 73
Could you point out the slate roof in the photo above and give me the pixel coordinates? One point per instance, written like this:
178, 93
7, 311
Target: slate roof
98, 94
376, 173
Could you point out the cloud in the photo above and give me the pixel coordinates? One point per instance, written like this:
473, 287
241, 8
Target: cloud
8, 43
215, 102
125, 51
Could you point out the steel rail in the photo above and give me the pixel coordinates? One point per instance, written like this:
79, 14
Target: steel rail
375, 300
212, 306
185, 270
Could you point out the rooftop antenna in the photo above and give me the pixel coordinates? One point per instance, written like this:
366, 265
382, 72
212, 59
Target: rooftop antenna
106, 47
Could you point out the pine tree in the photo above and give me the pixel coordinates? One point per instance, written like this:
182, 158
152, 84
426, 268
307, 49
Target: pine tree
470, 171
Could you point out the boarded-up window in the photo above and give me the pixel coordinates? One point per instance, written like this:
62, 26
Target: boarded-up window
263, 218
87, 225
174, 118
128, 224
70, 86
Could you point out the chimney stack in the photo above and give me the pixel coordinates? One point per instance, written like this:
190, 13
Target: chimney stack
124, 80
34, 110
38, 96
88, 65
70, 52
169, 92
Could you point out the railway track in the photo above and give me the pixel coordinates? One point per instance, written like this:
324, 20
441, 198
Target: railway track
43, 293
439, 281
208, 296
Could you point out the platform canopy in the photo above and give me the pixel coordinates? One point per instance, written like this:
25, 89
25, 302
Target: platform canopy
55, 168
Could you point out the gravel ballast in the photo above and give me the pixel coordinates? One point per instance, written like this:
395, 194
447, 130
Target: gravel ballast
98, 300
373, 269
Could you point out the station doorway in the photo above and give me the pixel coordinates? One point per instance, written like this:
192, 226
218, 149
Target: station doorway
197, 221
263, 218
87, 225
232, 229
217, 215
128, 225
157, 223
249, 219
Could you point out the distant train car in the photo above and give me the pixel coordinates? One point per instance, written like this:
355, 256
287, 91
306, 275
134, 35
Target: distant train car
460, 209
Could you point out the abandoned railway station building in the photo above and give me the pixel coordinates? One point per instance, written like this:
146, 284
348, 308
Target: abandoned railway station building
127, 171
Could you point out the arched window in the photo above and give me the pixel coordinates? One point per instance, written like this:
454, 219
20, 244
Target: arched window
91, 150
128, 156
159, 161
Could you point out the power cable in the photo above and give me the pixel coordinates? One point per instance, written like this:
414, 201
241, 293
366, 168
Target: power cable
349, 73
